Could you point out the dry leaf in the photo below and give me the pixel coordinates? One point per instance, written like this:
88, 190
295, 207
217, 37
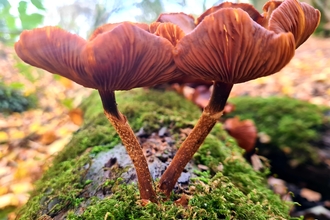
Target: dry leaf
3, 137
21, 187
47, 137
310, 195
76, 116
188, 92
68, 84
12, 199
184, 200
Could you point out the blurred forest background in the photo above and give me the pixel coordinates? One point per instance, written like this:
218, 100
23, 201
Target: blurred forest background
83, 16
29, 138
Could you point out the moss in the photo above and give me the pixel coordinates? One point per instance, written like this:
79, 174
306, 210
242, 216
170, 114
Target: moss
291, 124
58, 188
12, 100
154, 109
235, 192
5, 211
220, 199
216, 149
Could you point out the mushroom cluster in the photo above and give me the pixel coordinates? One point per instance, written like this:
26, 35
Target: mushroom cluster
230, 43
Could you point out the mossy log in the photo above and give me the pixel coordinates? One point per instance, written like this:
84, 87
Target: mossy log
79, 185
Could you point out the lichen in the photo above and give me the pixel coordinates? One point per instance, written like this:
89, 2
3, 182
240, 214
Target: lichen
291, 124
234, 192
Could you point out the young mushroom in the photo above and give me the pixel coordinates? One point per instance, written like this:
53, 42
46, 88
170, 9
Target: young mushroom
233, 43
117, 57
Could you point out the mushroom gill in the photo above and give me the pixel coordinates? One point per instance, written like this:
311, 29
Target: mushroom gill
228, 46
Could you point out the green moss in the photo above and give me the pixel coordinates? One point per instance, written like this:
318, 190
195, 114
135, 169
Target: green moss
154, 109
219, 199
5, 211
236, 192
12, 100
291, 124
58, 188
216, 148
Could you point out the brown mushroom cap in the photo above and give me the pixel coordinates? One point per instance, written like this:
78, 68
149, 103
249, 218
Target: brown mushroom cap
292, 16
248, 8
245, 132
184, 21
230, 47
121, 59
110, 26
54, 50
169, 31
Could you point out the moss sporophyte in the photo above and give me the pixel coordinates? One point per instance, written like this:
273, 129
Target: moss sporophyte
230, 43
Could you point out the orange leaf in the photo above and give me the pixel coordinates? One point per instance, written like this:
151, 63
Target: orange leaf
68, 84
76, 116
48, 137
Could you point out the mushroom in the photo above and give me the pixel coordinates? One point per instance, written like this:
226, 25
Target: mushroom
233, 43
173, 27
245, 132
117, 57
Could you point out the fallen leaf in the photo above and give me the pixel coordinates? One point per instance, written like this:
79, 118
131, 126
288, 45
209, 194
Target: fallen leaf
47, 137
143, 202
3, 137
256, 162
21, 187
76, 116
68, 84
15, 134
183, 201
188, 92
3, 190
202, 167
58, 145
12, 199
310, 195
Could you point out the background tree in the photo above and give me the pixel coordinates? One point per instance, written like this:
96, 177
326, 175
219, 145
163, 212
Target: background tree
15, 19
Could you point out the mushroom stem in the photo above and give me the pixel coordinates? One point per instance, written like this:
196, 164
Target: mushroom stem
219, 97
109, 103
189, 147
131, 143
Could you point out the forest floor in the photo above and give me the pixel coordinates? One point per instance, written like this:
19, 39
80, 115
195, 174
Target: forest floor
29, 140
